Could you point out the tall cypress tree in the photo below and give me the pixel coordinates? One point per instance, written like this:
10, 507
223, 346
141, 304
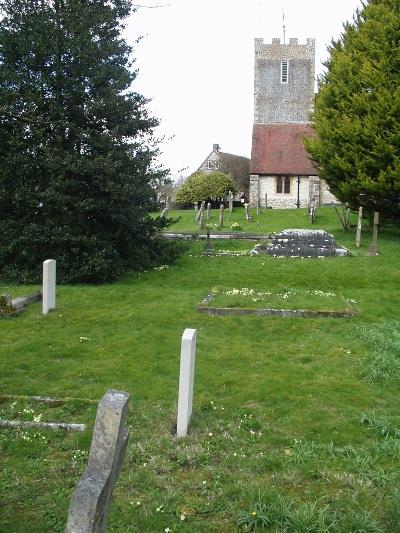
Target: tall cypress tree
76, 143
357, 112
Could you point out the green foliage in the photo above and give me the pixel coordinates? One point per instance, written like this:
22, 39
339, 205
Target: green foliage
357, 112
204, 186
76, 146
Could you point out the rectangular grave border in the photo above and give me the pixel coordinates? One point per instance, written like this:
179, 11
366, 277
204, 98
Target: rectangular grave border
286, 313
11, 307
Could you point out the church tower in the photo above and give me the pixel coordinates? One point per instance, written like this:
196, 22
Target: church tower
281, 174
284, 77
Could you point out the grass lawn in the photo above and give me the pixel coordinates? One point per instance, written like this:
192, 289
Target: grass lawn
295, 421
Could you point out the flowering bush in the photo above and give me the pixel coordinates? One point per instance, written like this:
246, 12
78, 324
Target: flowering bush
235, 226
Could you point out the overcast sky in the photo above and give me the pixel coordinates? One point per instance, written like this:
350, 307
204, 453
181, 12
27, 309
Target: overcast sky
196, 61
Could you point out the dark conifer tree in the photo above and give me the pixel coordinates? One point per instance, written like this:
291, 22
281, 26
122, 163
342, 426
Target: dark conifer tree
357, 113
76, 144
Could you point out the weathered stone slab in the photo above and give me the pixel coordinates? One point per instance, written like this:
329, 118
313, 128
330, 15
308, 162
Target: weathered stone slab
304, 243
42, 425
91, 498
23, 301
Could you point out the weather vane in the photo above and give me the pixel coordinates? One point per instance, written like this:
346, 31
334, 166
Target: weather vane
283, 26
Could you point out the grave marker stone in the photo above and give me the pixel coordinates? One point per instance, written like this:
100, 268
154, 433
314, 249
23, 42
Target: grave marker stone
201, 217
186, 381
91, 498
359, 227
230, 197
266, 201
164, 213
208, 210
49, 286
373, 248
202, 205
221, 215
304, 243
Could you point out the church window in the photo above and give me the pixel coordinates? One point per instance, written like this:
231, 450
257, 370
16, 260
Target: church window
283, 184
210, 164
284, 71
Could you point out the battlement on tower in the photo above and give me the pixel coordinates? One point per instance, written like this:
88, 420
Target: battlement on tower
292, 50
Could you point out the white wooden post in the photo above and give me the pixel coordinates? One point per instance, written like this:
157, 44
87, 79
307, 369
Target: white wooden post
49, 286
186, 380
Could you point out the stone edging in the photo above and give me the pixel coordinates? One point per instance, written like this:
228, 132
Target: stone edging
303, 313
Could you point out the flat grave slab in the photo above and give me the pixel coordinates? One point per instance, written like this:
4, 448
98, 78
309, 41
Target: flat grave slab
305, 243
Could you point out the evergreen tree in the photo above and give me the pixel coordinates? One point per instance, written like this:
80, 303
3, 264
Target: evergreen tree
76, 144
357, 112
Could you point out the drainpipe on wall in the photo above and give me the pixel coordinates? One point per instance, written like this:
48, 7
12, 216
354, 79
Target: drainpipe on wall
298, 192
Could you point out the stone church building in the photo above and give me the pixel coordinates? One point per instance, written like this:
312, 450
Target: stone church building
280, 171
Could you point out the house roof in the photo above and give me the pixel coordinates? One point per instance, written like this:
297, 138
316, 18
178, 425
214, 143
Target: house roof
279, 149
226, 157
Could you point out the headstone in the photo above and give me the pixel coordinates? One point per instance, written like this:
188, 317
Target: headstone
373, 248
312, 213
221, 215
49, 286
304, 243
258, 206
246, 211
208, 210
186, 381
201, 217
164, 213
91, 498
266, 201
230, 197
359, 227
196, 206
203, 203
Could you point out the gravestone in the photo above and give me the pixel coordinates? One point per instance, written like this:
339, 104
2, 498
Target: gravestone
186, 381
230, 198
246, 211
359, 227
91, 498
196, 206
304, 243
373, 248
266, 201
164, 213
208, 210
221, 215
201, 210
201, 217
49, 286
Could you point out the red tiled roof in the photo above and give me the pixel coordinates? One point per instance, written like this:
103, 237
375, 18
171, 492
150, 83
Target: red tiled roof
279, 149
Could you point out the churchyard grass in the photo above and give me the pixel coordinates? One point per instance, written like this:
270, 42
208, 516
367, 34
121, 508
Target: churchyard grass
290, 431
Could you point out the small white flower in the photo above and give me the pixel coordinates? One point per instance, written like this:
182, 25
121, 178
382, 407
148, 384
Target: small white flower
210, 434
183, 517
